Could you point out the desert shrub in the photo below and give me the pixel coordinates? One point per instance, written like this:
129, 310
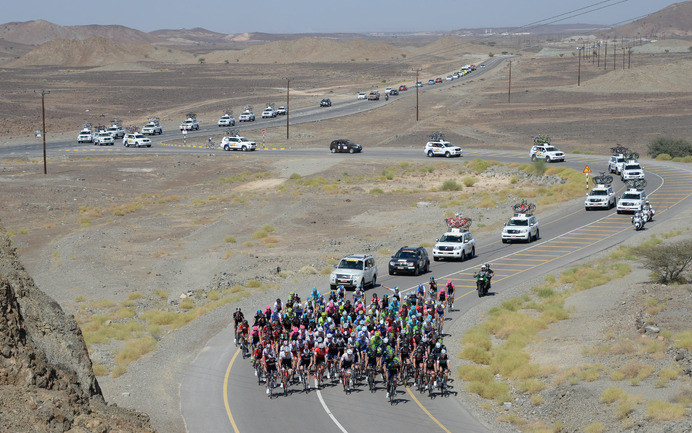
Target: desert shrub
663, 157
674, 147
683, 340
376, 191
450, 185
307, 270
99, 369
595, 427
612, 394
664, 411
469, 181
538, 167
480, 165
667, 262
229, 239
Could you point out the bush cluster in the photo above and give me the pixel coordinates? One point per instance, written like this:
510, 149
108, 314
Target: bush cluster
674, 147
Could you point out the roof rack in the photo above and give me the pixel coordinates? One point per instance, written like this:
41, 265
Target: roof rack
86, 125
154, 120
117, 122
131, 129
619, 150
191, 116
233, 132
436, 136
524, 207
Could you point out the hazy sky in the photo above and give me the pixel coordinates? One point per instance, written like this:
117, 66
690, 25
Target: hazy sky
318, 16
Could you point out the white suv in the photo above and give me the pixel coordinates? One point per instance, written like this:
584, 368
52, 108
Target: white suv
616, 163
632, 170
104, 137
631, 201
85, 136
547, 152
226, 120
455, 244
521, 227
357, 270
268, 112
152, 128
442, 148
136, 140
601, 197
238, 143
189, 124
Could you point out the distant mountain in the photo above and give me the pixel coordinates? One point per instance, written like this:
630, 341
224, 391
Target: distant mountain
672, 21
41, 31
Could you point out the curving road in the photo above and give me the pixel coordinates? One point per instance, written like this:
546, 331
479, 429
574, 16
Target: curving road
220, 392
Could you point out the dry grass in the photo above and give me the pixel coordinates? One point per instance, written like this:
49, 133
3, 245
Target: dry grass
665, 411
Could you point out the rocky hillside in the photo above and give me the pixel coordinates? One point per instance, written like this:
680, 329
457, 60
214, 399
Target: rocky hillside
46, 379
674, 20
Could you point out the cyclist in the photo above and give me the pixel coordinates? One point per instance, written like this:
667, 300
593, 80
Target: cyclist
318, 362
345, 365
243, 331
420, 291
257, 357
286, 358
210, 142
443, 364
238, 317
393, 367
418, 359
304, 365
429, 367
450, 291
269, 364
440, 311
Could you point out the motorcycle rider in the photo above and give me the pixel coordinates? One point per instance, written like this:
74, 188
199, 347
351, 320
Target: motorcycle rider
638, 217
488, 273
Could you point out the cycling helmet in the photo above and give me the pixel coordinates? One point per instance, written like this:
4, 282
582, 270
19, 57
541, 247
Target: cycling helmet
285, 349
438, 345
449, 282
396, 289
349, 352
259, 311
319, 340
432, 278
444, 351
306, 351
385, 340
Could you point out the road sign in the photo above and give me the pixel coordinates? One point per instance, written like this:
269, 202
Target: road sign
263, 131
587, 169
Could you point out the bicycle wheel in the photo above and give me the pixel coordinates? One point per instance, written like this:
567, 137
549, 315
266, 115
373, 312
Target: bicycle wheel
271, 386
430, 385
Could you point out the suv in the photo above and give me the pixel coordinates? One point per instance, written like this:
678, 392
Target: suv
374, 96
86, 135
354, 271
116, 131
602, 196
189, 124
226, 120
521, 227
282, 110
104, 137
152, 128
136, 140
414, 260
547, 152
455, 244
268, 112
238, 143
616, 163
246, 116
631, 201
631, 170
442, 148
326, 102
343, 145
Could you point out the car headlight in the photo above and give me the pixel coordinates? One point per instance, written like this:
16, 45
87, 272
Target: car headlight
457, 247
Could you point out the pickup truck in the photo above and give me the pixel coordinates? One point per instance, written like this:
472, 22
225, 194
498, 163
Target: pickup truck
374, 96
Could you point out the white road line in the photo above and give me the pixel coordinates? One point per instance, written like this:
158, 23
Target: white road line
326, 409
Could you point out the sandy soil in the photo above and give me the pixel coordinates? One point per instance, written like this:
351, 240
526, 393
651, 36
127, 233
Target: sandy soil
98, 229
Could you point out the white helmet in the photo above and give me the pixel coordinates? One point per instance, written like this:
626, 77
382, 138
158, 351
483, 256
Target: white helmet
349, 352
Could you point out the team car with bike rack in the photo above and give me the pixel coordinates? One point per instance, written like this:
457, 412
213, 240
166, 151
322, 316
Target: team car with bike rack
632, 200
601, 195
523, 226
136, 140
238, 143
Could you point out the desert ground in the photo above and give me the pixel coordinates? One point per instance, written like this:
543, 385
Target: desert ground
112, 237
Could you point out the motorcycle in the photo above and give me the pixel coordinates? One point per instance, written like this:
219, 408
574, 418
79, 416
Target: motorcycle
648, 214
638, 221
482, 283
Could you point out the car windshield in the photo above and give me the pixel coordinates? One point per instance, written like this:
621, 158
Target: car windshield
452, 238
551, 149
599, 192
448, 145
631, 196
406, 254
633, 167
351, 264
139, 136
516, 222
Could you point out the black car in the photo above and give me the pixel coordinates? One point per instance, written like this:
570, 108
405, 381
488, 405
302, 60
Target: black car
393, 92
413, 260
326, 102
344, 145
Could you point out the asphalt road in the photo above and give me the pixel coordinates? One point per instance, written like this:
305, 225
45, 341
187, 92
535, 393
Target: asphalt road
220, 393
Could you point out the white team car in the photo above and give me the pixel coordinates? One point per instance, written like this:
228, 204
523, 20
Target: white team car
357, 270
152, 128
116, 131
189, 124
631, 170
238, 143
136, 140
226, 120
455, 244
547, 152
268, 112
616, 163
631, 201
246, 116
442, 148
600, 197
521, 227
86, 135
281, 111
104, 137
362, 95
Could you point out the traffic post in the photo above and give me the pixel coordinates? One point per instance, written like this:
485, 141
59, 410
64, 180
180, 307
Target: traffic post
587, 170
184, 131
263, 132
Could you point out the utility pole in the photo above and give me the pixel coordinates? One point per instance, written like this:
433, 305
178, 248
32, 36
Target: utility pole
615, 55
288, 84
509, 88
43, 115
623, 58
417, 95
579, 69
605, 57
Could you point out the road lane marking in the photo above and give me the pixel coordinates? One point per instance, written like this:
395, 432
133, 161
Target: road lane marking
326, 409
426, 410
225, 392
